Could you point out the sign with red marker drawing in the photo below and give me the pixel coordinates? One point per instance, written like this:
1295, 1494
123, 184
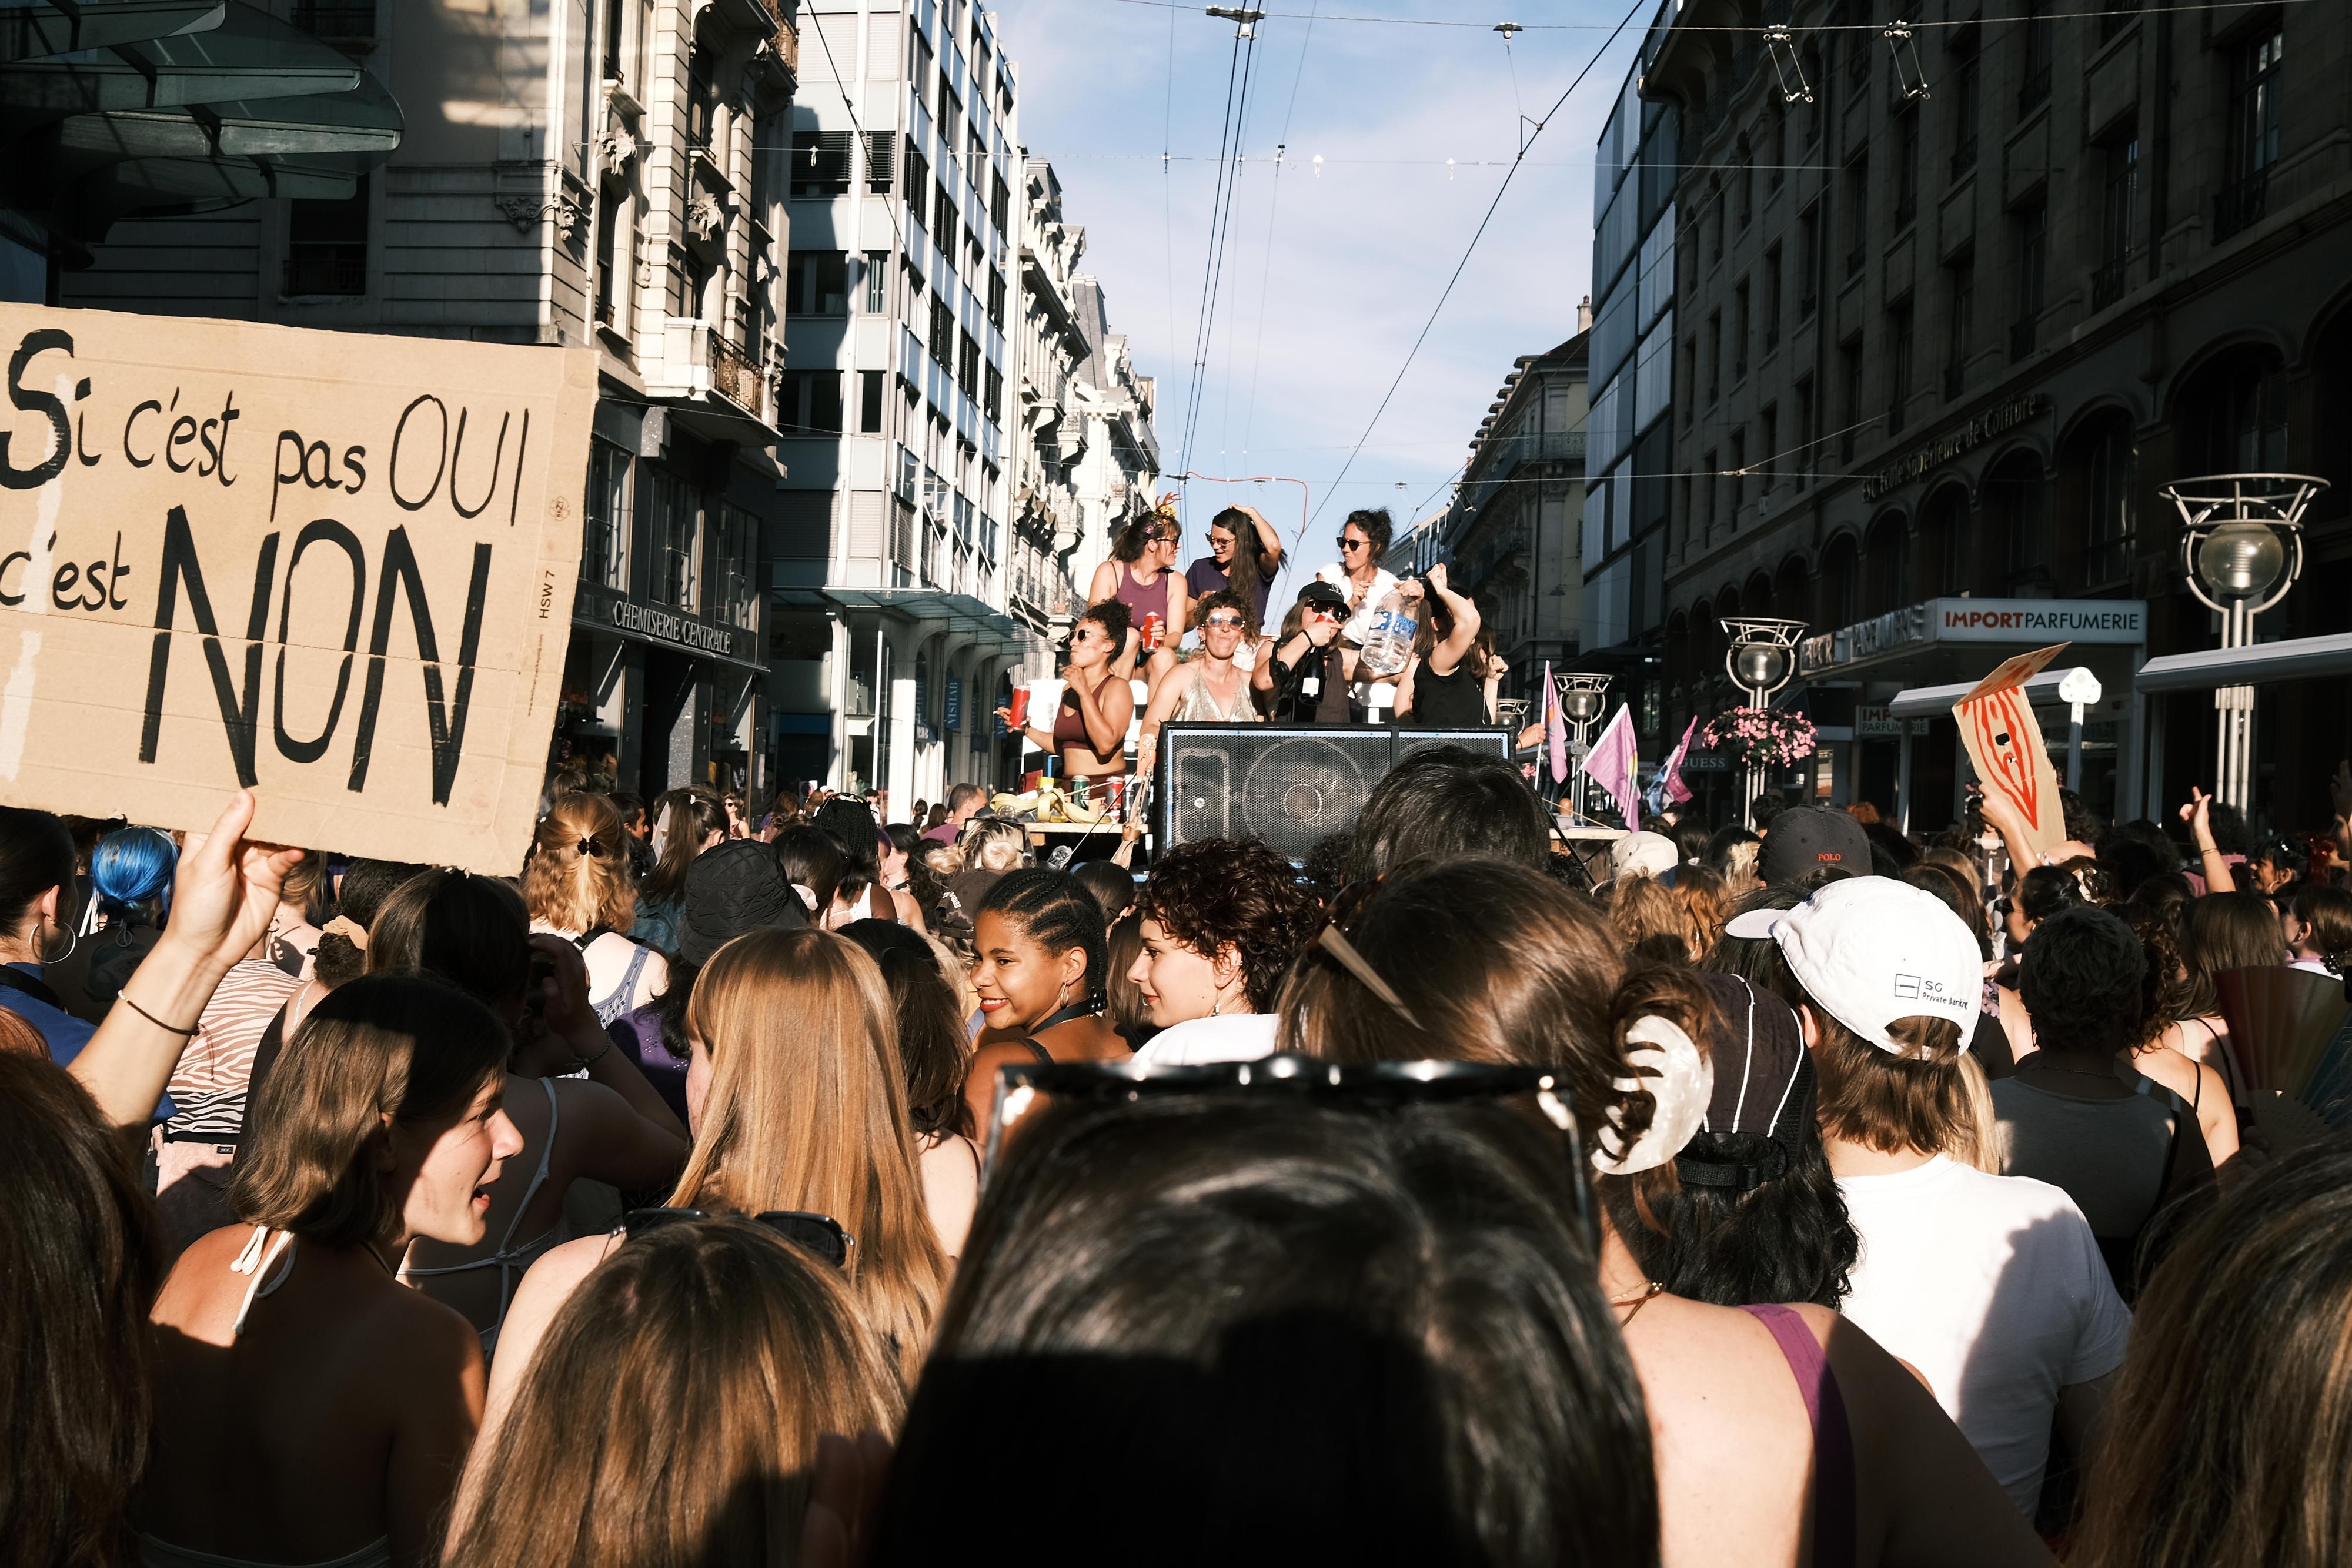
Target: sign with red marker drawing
2004, 742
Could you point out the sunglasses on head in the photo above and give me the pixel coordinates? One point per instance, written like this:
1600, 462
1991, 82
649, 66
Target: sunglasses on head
1371, 1088
820, 1234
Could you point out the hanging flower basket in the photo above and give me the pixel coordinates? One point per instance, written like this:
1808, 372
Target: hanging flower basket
1761, 738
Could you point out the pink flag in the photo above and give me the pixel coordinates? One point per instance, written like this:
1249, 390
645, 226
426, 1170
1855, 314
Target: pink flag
1672, 772
1555, 728
1615, 762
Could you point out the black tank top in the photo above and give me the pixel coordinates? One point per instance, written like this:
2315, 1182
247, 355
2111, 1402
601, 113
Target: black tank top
1447, 702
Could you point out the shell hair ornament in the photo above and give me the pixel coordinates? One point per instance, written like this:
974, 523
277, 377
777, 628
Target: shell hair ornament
1669, 1068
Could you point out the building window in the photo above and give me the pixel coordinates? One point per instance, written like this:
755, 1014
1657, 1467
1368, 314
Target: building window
1778, 149
943, 332
2253, 134
1857, 215
1814, 110
820, 164
944, 217
701, 98
919, 178
1805, 431
877, 282
1714, 357
1967, 113
327, 244
1747, 179
2108, 493
2033, 264
2035, 79
999, 204
611, 217
1850, 366
809, 402
1708, 480
1738, 476
1740, 332
1898, 365
1809, 260
1907, 166
604, 532
736, 560
690, 282
1772, 299
967, 366
881, 161
991, 401
349, 20
2119, 203
1716, 255
1690, 379
1770, 462
996, 299
1857, 45
869, 402
816, 283
1959, 323
676, 520
616, 30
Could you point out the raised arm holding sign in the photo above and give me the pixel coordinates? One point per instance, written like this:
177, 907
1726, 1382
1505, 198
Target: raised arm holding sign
2004, 745
333, 568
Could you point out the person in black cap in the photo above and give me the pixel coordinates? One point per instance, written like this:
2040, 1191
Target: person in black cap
1311, 666
732, 888
1806, 839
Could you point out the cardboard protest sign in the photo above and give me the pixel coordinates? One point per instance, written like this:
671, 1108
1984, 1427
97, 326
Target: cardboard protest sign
335, 567
2004, 742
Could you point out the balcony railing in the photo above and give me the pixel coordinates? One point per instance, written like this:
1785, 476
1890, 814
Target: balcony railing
2108, 283
736, 376
333, 266
2240, 205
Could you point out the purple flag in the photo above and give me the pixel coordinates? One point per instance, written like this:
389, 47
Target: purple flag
1615, 762
1676, 790
1555, 728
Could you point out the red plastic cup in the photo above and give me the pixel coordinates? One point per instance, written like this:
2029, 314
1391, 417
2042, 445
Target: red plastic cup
1020, 708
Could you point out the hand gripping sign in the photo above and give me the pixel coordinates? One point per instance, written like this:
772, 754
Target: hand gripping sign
335, 567
2004, 742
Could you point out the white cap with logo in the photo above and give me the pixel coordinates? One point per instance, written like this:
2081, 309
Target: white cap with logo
1869, 950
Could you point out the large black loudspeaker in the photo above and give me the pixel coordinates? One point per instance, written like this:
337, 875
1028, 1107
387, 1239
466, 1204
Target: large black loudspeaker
1289, 785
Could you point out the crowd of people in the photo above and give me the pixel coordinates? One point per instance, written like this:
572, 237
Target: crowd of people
770, 1183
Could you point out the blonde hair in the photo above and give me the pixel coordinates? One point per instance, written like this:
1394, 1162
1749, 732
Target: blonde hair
807, 1109
1705, 907
1641, 910
672, 1414
578, 875
995, 844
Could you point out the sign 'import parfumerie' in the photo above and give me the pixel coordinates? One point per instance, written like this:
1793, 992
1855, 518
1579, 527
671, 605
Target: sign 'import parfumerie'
334, 566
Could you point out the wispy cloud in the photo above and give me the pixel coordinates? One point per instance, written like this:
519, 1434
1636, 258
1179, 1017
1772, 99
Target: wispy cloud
1328, 273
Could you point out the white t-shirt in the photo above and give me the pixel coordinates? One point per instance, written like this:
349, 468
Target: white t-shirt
1358, 624
1229, 1037
1993, 1287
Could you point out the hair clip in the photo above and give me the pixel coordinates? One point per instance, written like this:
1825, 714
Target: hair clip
591, 846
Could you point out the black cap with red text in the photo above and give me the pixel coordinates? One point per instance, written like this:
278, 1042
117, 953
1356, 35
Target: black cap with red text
1807, 839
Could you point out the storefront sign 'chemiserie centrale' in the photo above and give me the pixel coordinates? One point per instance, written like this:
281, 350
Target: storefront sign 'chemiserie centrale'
2122, 620
1931, 455
334, 567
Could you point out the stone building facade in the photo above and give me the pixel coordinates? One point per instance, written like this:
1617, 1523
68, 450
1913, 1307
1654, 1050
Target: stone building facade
1512, 531
602, 174
1953, 302
1050, 442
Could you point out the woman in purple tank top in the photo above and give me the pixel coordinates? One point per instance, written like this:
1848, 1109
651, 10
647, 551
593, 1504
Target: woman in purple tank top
1781, 1433
1142, 574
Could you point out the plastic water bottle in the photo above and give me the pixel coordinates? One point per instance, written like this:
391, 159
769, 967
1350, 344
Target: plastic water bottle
1389, 644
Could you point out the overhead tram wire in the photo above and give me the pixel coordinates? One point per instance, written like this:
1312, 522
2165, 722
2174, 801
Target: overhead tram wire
1225, 133
1446, 293
2117, 10
1220, 226
1273, 207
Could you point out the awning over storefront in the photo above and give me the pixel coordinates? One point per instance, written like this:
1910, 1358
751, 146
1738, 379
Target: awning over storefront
1959, 639
961, 615
2297, 659
110, 108
1936, 702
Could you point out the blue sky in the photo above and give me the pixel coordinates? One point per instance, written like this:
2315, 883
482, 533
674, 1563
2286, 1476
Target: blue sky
1328, 274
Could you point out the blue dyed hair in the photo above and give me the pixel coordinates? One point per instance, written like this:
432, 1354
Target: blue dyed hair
131, 866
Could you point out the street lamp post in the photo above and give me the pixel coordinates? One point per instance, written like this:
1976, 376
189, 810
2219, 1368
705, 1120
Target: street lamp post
1583, 698
1760, 659
2242, 547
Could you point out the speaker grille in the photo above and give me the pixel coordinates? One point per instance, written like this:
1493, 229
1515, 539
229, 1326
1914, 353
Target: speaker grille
1290, 786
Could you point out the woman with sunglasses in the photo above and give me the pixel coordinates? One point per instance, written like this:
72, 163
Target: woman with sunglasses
1210, 687
1141, 575
1245, 570
798, 1103
1772, 1421
1089, 734
1358, 574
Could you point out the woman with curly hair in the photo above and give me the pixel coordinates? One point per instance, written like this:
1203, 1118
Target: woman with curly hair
1222, 918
